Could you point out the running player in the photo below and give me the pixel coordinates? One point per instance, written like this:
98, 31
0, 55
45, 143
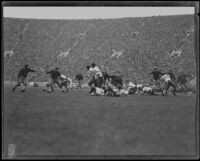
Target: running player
182, 80
156, 76
172, 76
21, 77
168, 82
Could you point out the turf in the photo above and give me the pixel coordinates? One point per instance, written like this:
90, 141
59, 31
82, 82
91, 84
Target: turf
76, 123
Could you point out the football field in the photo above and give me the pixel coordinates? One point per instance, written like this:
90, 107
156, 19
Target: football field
77, 123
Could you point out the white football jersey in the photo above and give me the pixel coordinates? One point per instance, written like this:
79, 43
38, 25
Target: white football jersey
63, 77
130, 84
166, 77
99, 91
95, 71
123, 92
147, 89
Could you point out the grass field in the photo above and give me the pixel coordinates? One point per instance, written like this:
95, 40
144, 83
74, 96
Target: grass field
76, 123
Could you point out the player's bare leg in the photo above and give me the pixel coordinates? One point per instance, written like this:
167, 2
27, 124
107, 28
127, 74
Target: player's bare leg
174, 90
165, 90
19, 81
24, 84
185, 89
14, 88
23, 88
58, 84
169, 83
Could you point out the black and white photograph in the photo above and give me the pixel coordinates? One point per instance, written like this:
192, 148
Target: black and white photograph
100, 80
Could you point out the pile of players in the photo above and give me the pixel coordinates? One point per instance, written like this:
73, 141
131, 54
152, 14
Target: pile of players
162, 81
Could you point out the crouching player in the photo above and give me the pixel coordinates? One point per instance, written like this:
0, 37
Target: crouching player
147, 90
139, 89
79, 78
182, 80
168, 82
96, 91
124, 92
112, 90
66, 83
131, 87
54, 76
